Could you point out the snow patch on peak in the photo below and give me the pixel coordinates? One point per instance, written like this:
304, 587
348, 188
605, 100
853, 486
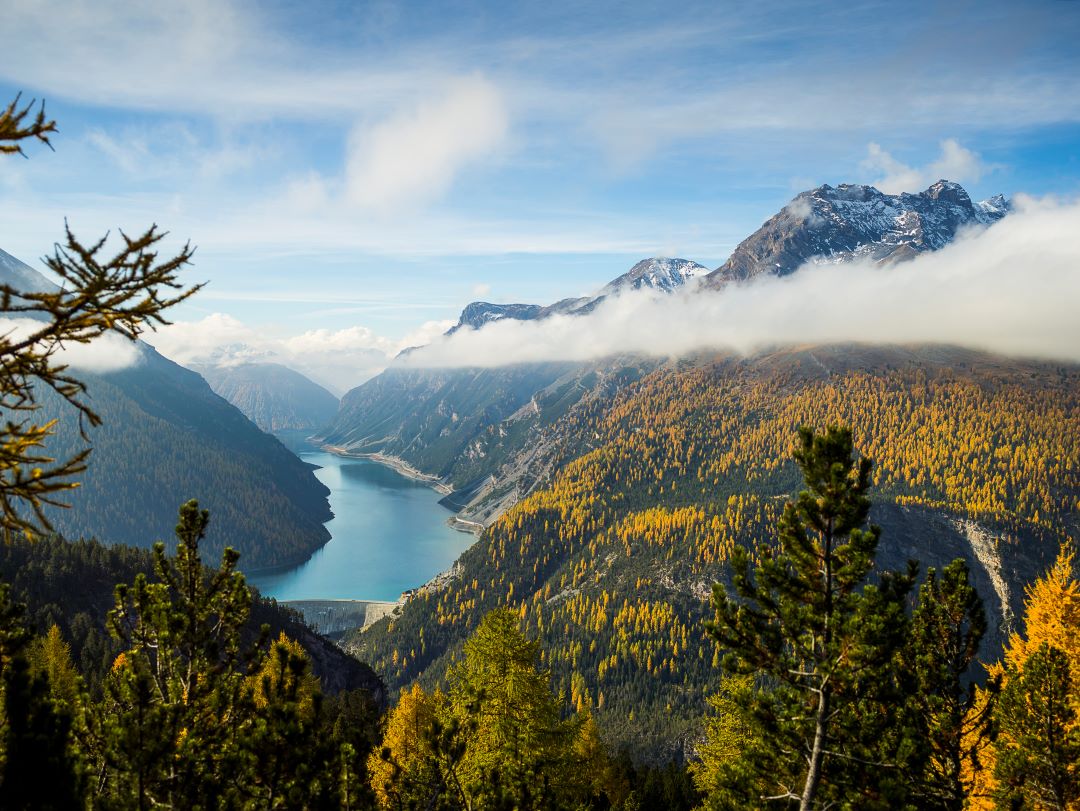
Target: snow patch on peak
839, 224
991, 210
662, 274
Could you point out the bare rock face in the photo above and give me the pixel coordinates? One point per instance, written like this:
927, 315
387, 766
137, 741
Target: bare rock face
850, 222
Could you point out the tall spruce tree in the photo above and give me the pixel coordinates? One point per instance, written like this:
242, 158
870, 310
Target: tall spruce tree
954, 727
821, 640
170, 726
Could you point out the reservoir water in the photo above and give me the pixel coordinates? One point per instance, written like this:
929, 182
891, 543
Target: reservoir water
389, 534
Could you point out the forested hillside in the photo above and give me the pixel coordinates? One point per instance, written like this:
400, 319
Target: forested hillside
488, 433
167, 437
611, 562
274, 397
72, 585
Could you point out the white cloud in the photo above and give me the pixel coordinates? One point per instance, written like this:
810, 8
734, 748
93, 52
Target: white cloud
426, 333
800, 209
413, 157
481, 289
338, 359
343, 342
1011, 288
106, 353
109, 353
955, 163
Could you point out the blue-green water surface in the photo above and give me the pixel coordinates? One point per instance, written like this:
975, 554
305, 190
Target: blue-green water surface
389, 534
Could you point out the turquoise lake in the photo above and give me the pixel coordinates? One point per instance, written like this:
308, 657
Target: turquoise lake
389, 534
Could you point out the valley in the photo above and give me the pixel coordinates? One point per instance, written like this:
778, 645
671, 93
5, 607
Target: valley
610, 559
540, 406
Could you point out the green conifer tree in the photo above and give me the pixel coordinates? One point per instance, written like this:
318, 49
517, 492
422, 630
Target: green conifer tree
170, 724
947, 626
38, 766
821, 638
518, 750
287, 762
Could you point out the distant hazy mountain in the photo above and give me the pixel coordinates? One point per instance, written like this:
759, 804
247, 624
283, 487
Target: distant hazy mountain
166, 438
850, 222
274, 397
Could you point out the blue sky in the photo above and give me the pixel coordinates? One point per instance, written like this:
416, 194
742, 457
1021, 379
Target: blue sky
351, 171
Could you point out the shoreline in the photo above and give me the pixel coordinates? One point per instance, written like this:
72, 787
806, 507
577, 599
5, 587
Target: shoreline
466, 526
400, 466
394, 463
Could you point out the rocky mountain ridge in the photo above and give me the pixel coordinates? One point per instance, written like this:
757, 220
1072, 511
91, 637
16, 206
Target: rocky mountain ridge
850, 222
661, 274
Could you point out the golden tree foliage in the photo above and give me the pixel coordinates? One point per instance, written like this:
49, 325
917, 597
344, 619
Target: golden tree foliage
610, 561
1051, 617
51, 655
405, 745
281, 674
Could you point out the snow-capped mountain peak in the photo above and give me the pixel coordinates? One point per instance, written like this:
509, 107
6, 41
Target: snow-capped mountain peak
659, 273
662, 274
854, 221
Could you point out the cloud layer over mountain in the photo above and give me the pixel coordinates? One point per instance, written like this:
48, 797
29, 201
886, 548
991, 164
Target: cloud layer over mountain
106, 353
1011, 288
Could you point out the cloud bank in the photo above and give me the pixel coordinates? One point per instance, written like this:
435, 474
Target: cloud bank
106, 353
337, 359
1012, 288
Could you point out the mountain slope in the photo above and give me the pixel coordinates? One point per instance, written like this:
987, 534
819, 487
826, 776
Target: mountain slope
851, 222
610, 562
489, 434
475, 429
274, 397
167, 438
